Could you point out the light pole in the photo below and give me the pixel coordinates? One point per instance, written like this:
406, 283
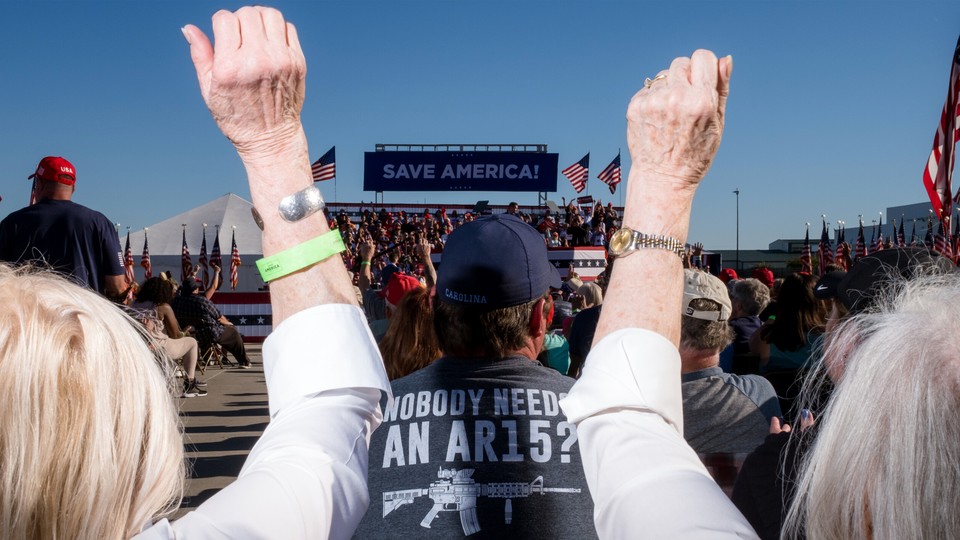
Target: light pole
737, 264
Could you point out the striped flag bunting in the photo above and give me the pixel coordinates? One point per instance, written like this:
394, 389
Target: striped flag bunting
610, 175
588, 262
145, 258
938, 173
806, 257
234, 262
128, 261
186, 263
325, 168
578, 173
825, 250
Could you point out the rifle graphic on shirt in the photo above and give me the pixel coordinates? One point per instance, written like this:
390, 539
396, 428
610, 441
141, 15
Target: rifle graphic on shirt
456, 490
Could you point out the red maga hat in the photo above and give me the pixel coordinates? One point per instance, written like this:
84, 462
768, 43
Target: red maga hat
57, 169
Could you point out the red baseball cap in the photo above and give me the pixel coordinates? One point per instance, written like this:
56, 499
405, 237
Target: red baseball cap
398, 286
57, 169
727, 274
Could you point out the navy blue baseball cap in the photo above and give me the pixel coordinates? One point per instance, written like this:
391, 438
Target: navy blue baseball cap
495, 262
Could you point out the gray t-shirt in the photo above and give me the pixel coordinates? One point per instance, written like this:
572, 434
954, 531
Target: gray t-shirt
479, 448
728, 413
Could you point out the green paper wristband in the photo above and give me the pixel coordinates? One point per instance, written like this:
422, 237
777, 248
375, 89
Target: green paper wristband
301, 256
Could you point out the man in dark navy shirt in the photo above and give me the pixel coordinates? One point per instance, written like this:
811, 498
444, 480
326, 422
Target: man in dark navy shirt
58, 232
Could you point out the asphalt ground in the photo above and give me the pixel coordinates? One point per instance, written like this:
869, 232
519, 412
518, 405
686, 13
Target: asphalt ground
221, 428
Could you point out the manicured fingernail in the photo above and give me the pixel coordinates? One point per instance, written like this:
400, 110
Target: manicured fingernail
186, 36
805, 414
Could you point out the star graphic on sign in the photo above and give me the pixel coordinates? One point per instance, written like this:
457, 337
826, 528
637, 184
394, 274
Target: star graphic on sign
259, 320
243, 320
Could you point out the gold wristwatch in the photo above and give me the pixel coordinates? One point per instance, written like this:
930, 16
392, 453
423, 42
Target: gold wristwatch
626, 240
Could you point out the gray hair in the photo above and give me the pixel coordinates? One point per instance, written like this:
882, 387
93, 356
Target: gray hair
703, 335
891, 473
751, 294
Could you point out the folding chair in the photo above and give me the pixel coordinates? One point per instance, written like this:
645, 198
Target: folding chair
210, 352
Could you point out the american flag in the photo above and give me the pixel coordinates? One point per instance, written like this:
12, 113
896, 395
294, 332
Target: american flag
878, 245
128, 261
928, 238
145, 258
325, 168
215, 257
938, 173
861, 249
234, 262
841, 240
826, 252
942, 243
205, 276
578, 173
806, 258
611, 174
901, 236
186, 263
956, 240
913, 235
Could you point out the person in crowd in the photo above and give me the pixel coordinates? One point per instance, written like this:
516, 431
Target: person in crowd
153, 300
765, 488
95, 450
195, 309
788, 342
482, 419
588, 295
67, 236
728, 274
749, 297
410, 342
722, 412
555, 353
512, 208
764, 275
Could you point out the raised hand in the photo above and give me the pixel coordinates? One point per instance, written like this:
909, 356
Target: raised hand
252, 80
674, 125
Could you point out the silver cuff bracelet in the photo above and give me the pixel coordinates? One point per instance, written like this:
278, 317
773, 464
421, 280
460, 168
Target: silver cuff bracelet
295, 207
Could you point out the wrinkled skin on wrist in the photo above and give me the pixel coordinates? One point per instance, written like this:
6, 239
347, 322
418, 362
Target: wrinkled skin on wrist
674, 126
253, 80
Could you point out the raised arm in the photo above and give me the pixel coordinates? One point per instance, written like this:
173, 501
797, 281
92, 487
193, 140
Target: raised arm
253, 84
673, 132
321, 364
627, 404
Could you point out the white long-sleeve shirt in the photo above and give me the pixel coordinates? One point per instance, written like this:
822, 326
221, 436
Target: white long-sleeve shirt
307, 475
645, 479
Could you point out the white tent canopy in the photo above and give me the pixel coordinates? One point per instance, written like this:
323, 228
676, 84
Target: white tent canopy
230, 213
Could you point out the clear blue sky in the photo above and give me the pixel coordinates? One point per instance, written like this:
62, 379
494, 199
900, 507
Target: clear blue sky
832, 110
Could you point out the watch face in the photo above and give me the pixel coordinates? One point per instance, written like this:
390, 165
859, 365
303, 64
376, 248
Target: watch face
620, 241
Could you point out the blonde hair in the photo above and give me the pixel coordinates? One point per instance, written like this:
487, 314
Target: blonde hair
886, 460
90, 440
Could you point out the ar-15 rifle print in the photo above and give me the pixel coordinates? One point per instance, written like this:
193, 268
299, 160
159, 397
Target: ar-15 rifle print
456, 490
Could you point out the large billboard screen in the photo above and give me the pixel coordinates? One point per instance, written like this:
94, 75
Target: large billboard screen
459, 171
